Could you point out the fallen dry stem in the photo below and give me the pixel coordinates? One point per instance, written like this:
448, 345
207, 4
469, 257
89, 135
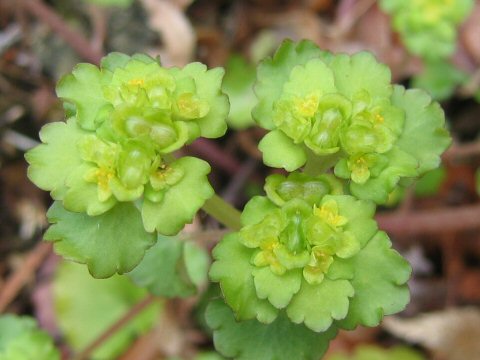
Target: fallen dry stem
134, 311
76, 40
431, 221
24, 273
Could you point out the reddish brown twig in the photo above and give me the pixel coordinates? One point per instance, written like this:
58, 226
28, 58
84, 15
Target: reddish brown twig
19, 278
76, 40
134, 311
458, 151
215, 155
432, 221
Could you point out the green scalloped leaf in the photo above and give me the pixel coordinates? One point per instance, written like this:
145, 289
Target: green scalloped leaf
113, 242
208, 84
86, 307
361, 72
21, 339
317, 306
83, 88
273, 73
180, 202
238, 85
248, 340
379, 281
439, 78
279, 151
256, 209
53, 161
424, 136
233, 270
277, 289
172, 268
313, 77
429, 184
114, 60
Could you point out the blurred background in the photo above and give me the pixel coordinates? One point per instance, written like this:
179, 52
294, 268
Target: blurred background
434, 224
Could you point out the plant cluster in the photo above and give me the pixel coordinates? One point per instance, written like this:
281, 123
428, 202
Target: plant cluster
428, 27
302, 261
22, 339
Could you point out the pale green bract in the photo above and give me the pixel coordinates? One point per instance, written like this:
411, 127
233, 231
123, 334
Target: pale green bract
319, 261
336, 110
428, 27
21, 339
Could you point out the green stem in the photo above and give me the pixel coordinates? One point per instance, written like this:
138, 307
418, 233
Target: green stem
317, 165
223, 212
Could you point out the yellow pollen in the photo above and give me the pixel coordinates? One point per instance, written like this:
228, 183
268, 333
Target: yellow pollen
269, 245
137, 82
308, 106
379, 118
103, 177
360, 161
330, 216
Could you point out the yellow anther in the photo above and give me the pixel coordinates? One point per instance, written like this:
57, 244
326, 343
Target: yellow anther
270, 244
103, 176
308, 106
379, 118
328, 212
136, 82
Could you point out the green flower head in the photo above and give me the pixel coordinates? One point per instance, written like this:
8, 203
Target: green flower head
128, 115
113, 154
311, 259
342, 111
428, 27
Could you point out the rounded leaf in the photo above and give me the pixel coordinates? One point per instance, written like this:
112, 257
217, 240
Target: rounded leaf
113, 242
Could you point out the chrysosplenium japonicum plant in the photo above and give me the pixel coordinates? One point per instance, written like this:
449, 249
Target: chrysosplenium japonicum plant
302, 261
343, 112
110, 167
428, 27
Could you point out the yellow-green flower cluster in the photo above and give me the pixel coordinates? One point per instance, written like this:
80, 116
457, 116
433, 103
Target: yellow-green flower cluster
125, 120
342, 111
311, 258
428, 27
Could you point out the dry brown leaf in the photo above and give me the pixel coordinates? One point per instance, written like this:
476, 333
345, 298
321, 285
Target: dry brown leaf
175, 29
470, 33
453, 334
